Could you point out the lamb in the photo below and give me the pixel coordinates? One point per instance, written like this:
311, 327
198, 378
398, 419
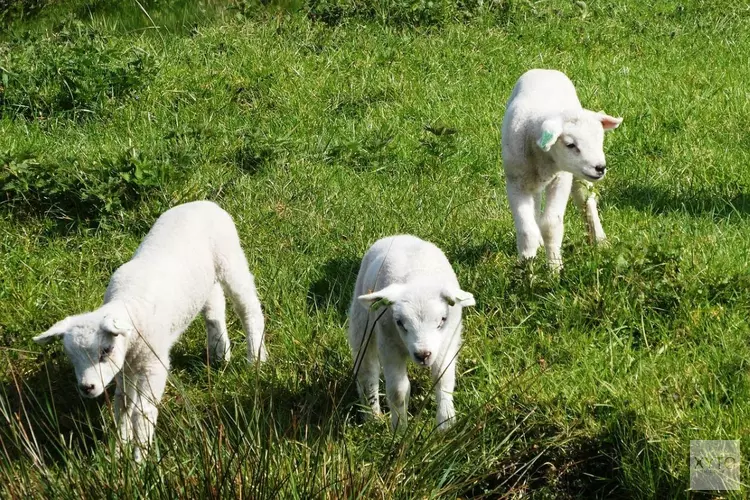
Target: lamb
187, 261
416, 284
548, 139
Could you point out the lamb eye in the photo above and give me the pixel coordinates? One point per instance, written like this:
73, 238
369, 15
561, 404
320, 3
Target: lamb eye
572, 145
400, 323
442, 321
105, 352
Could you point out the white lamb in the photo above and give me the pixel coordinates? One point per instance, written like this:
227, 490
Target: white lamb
189, 258
548, 138
423, 323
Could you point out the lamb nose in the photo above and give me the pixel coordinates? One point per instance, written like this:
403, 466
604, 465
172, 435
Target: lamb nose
600, 168
86, 388
422, 355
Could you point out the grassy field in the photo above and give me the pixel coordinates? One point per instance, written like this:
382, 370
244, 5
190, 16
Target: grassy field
321, 126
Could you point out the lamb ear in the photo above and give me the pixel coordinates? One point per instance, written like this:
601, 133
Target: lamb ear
458, 296
117, 324
608, 122
57, 330
381, 298
551, 130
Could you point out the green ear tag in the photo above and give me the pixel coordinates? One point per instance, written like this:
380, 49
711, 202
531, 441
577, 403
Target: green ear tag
546, 139
380, 303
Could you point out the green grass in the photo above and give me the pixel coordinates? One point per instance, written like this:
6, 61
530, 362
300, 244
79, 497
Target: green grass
323, 126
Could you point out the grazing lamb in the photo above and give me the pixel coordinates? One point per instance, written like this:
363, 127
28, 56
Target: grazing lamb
189, 258
423, 323
548, 139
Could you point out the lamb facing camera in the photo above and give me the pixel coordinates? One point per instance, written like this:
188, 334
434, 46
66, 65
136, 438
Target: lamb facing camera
189, 258
550, 145
413, 280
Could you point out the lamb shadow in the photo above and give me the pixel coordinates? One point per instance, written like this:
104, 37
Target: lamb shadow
192, 362
659, 201
46, 408
318, 406
48, 418
473, 255
332, 291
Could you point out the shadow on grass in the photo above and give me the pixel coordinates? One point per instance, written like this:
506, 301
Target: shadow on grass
564, 461
48, 414
313, 407
52, 224
315, 401
64, 196
585, 467
473, 255
11, 10
660, 201
304, 414
332, 291
44, 417
175, 16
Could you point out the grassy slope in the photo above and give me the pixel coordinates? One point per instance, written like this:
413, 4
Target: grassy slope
313, 137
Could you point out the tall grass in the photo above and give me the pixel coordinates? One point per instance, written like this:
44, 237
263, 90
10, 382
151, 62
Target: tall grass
258, 445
